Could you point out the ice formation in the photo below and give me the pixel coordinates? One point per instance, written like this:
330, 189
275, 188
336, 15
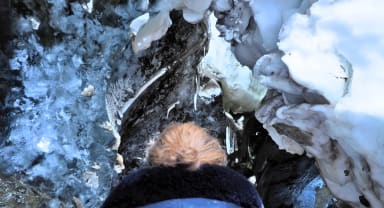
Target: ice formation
154, 29
322, 62
158, 24
241, 91
55, 141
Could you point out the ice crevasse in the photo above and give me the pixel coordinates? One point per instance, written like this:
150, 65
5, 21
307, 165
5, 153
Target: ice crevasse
322, 63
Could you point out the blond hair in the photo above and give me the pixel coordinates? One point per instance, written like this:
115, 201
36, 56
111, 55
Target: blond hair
186, 143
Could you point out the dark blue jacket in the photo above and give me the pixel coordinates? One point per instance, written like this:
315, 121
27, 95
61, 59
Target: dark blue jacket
150, 185
192, 203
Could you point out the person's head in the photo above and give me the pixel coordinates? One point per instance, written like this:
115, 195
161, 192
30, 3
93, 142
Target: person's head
185, 143
188, 170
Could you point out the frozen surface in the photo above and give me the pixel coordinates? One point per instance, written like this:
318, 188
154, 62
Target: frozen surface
156, 27
340, 45
269, 15
56, 142
307, 197
321, 61
325, 81
241, 91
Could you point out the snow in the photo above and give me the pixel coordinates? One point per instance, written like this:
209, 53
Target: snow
88, 6
328, 78
241, 91
326, 82
221, 5
269, 15
337, 51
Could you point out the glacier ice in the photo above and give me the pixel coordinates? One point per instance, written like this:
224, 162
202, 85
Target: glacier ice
55, 142
334, 45
158, 24
241, 91
320, 61
154, 29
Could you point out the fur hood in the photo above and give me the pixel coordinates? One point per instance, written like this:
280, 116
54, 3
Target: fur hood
150, 185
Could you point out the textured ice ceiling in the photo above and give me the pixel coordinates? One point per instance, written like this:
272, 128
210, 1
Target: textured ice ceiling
322, 63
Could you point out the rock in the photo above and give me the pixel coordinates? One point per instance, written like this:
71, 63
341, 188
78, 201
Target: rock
15, 193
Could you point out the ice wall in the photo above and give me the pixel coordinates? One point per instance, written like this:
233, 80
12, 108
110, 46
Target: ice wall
339, 44
322, 63
64, 52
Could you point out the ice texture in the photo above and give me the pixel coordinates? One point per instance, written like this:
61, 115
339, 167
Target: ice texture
269, 15
335, 44
156, 27
55, 142
138, 22
322, 62
241, 91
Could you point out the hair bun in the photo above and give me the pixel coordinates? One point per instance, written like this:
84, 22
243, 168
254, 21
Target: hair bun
185, 143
